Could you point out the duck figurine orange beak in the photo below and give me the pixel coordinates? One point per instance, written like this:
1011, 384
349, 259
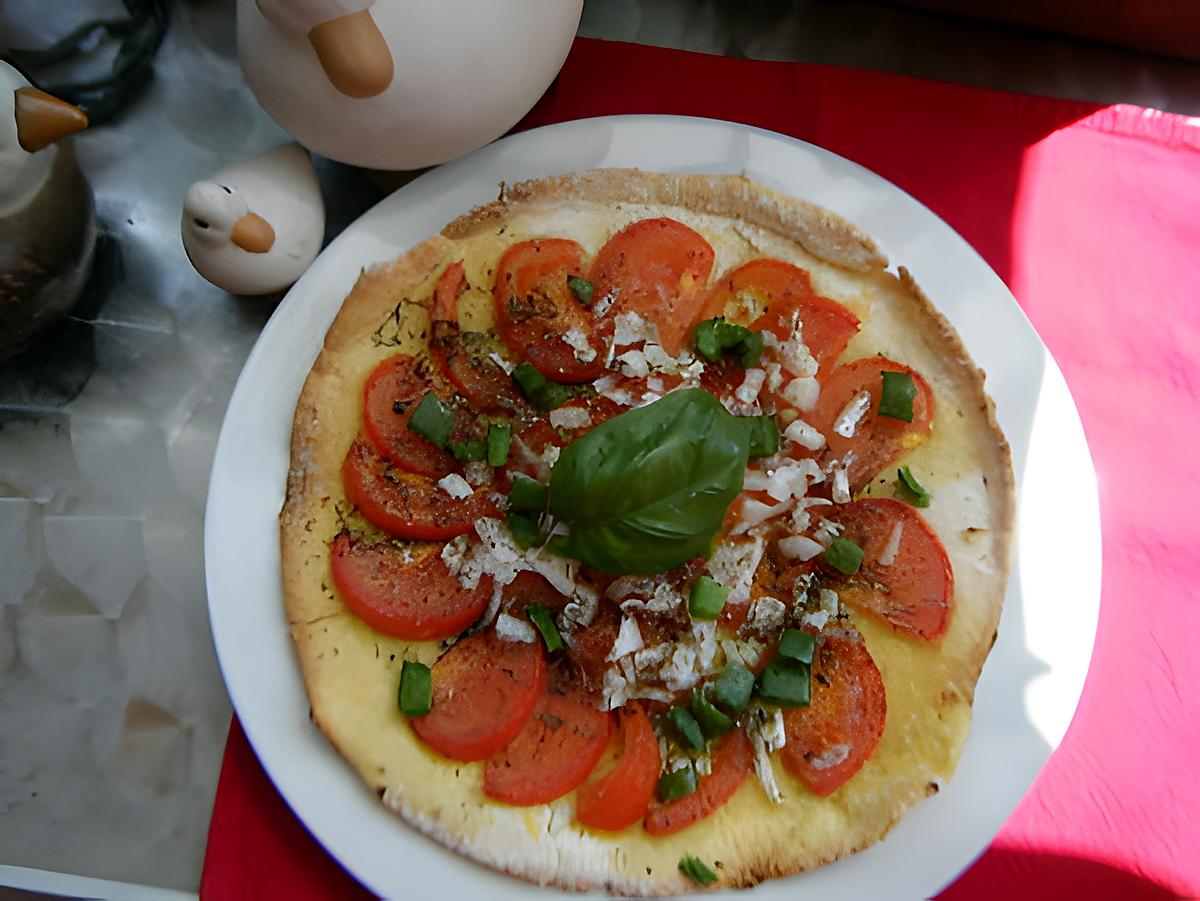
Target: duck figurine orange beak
43, 119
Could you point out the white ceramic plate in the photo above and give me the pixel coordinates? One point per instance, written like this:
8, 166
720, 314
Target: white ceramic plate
1030, 684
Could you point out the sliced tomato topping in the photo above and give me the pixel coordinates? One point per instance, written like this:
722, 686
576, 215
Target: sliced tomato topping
829, 740
659, 269
405, 592
877, 441
531, 588
475, 376
783, 291
593, 643
484, 691
732, 762
393, 390
535, 309
554, 751
915, 592
620, 797
404, 504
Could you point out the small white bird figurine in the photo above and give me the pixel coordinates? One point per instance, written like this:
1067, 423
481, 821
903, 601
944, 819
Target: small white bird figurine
47, 218
254, 227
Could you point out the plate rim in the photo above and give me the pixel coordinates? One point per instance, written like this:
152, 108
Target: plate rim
237, 684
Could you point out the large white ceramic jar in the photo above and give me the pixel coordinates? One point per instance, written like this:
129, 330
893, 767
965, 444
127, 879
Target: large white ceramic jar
400, 84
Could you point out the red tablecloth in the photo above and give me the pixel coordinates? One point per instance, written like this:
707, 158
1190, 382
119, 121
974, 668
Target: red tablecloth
1092, 217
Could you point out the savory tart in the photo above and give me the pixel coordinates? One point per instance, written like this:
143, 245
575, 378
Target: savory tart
643, 532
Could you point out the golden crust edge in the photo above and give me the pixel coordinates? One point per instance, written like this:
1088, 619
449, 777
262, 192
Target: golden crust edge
818, 230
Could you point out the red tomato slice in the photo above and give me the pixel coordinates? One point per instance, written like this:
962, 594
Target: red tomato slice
784, 290
829, 740
531, 588
535, 308
620, 798
484, 691
732, 762
393, 390
554, 751
593, 644
658, 268
477, 378
408, 593
878, 441
404, 504
915, 593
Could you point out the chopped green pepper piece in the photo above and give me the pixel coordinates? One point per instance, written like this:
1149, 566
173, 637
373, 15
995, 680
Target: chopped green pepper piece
528, 379
732, 688
582, 289
896, 399
528, 495
679, 784
796, 644
689, 730
784, 682
729, 336
749, 350
914, 492
524, 530
707, 599
542, 393
844, 555
705, 340
432, 420
696, 870
712, 721
764, 436
545, 624
416, 689
498, 439
469, 451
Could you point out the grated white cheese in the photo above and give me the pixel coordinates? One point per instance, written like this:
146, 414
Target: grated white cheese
847, 421
615, 690
578, 342
733, 564
804, 434
502, 363
703, 764
629, 639
634, 364
794, 353
650, 659
656, 385
570, 418
550, 454
830, 757
827, 610
601, 306
766, 732
841, 486
888, 555
691, 374
826, 531
752, 383
478, 473
630, 328
799, 547
705, 634
658, 358
774, 376
754, 513
801, 518
509, 628
456, 486
802, 393
681, 671
766, 615
583, 606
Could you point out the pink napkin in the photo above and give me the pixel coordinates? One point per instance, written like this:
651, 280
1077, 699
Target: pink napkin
1092, 217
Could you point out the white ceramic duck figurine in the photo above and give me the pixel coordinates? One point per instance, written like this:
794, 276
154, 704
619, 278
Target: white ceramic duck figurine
254, 227
47, 218
391, 85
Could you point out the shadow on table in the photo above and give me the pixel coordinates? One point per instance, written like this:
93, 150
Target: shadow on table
1002, 872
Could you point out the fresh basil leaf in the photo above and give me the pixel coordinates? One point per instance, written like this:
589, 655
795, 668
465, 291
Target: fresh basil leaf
647, 490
